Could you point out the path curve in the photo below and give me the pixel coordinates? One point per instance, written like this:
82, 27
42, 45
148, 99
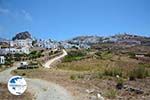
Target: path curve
51, 61
42, 90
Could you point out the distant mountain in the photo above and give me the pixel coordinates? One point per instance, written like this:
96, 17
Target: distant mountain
85, 40
22, 35
118, 38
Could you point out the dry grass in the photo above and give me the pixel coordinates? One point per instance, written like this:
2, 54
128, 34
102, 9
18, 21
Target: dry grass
78, 76
6, 95
112, 67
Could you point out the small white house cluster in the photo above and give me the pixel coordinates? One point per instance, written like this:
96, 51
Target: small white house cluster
17, 46
67, 45
48, 44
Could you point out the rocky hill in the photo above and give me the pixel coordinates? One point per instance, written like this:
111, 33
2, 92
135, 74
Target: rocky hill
22, 35
86, 40
118, 38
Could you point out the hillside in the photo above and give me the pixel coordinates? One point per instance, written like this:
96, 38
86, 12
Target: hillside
118, 38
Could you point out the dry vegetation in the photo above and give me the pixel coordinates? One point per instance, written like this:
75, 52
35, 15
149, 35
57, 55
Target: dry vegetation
91, 75
6, 95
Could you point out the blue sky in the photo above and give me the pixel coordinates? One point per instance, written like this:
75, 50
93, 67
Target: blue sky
64, 19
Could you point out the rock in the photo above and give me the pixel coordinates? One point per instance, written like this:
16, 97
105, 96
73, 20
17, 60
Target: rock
132, 79
90, 91
132, 89
22, 35
117, 76
100, 97
93, 98
119, 86
139, 91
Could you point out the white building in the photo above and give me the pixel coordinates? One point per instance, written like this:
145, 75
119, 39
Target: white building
25, 50
2, 60
15, 50
23, 43
47, 44
66, 45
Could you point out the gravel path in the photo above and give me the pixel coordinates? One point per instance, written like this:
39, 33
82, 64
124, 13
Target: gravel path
47, 91
6, 74
48, 63
41, 89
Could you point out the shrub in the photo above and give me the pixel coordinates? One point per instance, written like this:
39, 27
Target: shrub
104, 55
113, 71
139, 72
23, 74
74, 55
72, 77
119, 83
111, 94
144, 65
99, 75
35, 54
131, 54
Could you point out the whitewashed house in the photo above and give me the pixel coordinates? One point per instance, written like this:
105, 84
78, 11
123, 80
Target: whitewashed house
13, 50
2, 60
47, 44
25, 50
23, 42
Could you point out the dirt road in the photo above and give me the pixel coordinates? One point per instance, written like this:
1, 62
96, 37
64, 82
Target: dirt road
41, 89
48, 63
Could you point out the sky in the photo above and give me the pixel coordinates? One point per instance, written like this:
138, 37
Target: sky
65, 19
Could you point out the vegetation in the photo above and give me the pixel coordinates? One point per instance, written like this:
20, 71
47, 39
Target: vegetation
6, 95
9, 60
123, 68
139, 72
18, 56
111, 94
113, 71
74, 55
35, 54
131, 54
104, 55
76, 76
119, 82
146, 65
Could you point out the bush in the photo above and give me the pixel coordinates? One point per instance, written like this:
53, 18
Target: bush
111, 94
74, 55
99, 75
144, 65
72, 77
23, 74
113, 71
131, 54
35, 54
119, 83
104, 55
139, 72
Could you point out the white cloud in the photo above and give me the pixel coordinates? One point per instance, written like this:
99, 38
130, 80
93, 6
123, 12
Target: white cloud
27, 15
16, 14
